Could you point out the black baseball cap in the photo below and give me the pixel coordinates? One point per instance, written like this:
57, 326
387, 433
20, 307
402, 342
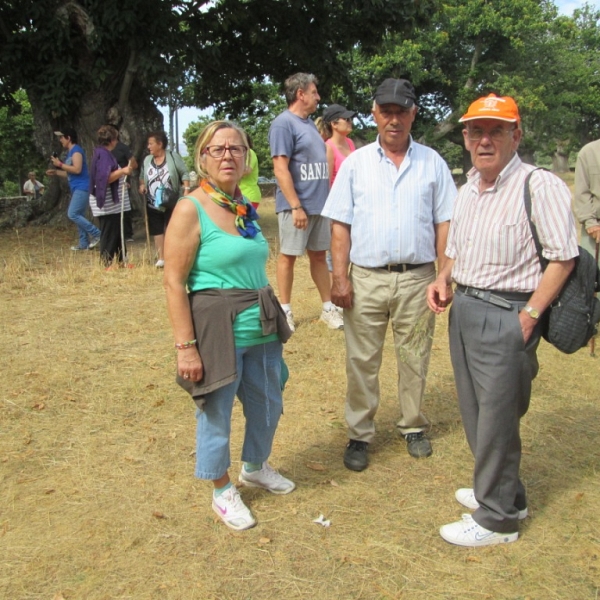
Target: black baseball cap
396, 91
337, 111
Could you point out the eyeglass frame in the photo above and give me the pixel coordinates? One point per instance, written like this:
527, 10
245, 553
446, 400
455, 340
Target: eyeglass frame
207, 150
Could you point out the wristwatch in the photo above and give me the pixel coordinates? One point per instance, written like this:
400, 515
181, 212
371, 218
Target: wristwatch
534, 313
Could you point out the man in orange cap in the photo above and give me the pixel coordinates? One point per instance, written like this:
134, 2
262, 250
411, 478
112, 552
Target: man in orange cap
500, 295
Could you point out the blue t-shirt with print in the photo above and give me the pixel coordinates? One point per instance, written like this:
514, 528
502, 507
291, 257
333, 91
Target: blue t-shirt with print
300, 141
81, 181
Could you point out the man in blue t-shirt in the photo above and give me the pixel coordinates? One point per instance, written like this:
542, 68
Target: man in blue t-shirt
300, 166
74, 168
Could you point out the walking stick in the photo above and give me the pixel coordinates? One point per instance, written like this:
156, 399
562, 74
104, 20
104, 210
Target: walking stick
593, 340
148, 246
123, 254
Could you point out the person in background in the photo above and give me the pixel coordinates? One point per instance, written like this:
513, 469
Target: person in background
125, 158
109, 195
75, 169
494, 325
162, 169
249, 182
586, 205
32, 188
337, 125
390, 205
337, 121
323, 129
300, 167
230, 327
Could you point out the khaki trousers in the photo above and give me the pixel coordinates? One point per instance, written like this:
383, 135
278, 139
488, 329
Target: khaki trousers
380, 297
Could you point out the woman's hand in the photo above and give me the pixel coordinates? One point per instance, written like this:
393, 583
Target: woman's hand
126, 170
51, 172
189, 364
142, 188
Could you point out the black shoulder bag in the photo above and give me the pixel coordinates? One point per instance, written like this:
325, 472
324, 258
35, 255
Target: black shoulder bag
570, 321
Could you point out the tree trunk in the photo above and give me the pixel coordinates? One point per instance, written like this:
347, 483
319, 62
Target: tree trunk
136, 117
560, 160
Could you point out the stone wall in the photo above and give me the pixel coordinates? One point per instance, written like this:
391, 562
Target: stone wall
16, 211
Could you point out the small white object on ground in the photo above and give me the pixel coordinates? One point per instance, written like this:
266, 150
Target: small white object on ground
322, 521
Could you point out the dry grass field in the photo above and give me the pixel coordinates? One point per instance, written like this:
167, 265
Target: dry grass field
98, 499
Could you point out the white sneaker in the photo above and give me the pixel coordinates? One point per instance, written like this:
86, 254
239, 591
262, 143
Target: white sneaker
333, 318
232, 510
268, 479
466, 497
160, 263
468, 532
290, 320
94, 243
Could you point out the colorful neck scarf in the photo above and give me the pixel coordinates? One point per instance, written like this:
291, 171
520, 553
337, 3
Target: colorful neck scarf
244, 212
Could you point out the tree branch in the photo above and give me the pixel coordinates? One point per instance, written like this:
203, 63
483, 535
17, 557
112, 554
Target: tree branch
449, 123
128, 79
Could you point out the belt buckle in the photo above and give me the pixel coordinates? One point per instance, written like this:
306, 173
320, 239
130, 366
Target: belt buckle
397, 268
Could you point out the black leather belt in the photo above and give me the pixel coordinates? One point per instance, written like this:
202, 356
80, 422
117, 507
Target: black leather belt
497, 298
402, 267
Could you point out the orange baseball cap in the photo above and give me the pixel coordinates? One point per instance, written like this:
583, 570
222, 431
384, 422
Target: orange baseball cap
503, 108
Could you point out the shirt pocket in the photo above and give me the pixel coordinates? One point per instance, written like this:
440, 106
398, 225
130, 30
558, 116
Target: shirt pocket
504, 243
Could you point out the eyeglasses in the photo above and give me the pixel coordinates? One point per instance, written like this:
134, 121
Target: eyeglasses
219, 151
347, 119
496, 135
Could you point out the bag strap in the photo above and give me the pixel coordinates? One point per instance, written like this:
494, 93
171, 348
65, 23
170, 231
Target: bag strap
527, 202
176, 171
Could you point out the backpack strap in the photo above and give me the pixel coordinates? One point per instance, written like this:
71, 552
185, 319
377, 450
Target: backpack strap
527, 202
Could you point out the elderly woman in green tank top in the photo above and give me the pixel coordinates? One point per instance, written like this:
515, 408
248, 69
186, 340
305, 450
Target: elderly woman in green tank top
227, 323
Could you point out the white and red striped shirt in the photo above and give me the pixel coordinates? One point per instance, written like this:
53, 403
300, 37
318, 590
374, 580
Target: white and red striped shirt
490, 239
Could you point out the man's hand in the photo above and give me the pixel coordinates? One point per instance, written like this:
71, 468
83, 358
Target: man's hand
439, 295
342, 293
594, 232
300, 218
527, 325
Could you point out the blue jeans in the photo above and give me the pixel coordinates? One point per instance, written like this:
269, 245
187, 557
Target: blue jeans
78, 206
258, 388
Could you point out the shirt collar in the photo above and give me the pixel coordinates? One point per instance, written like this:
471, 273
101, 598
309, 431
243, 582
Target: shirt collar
381, 151
473, 175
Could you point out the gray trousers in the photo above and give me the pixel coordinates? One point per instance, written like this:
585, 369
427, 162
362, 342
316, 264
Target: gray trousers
493, 369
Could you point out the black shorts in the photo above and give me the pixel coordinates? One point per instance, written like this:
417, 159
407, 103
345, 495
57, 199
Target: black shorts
158, 220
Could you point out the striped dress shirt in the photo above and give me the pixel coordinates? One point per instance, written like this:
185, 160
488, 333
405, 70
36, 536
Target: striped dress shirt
490, 238
391, 210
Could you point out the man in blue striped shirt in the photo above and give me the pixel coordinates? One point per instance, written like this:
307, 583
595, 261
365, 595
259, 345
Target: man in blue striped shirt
391, 204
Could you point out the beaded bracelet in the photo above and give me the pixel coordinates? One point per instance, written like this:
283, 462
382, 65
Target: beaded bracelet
186, 345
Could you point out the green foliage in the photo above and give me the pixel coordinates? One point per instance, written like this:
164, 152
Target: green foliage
520, 48
62, 51
9, 189
190, 135
265, 104
18, 155
253, 41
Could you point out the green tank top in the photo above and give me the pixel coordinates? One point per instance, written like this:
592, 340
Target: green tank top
228, 261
